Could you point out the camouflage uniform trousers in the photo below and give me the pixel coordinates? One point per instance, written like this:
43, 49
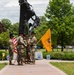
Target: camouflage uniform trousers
21, 55
11, 55
32, 52
28, 54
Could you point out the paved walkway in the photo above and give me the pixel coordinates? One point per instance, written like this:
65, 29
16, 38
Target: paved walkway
42, 67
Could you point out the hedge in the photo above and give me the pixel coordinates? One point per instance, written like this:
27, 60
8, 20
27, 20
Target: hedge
59, 55
53, 55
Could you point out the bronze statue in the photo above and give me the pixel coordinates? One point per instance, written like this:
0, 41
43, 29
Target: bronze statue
25, 14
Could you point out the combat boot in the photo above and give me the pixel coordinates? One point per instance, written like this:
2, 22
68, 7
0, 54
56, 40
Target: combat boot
10, 63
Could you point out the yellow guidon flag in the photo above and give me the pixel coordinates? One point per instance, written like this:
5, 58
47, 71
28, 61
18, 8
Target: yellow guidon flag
46, 40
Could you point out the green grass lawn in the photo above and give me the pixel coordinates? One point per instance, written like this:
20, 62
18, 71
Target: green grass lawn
67, 67
2, 65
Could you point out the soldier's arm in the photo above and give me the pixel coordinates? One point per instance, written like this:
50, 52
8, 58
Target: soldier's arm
33, 40
23, 42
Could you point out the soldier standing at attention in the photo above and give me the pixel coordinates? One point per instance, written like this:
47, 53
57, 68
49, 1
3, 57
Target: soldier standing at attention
20, 49
11, 49
33, 41
27, 49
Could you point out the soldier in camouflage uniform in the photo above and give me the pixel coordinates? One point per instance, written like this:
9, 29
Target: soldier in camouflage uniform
20, 49
11, 49
27, 49
33, 41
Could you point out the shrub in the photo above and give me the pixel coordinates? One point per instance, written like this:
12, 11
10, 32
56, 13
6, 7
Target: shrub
60, 55
45, 54
56, 55
68, 56
6, 53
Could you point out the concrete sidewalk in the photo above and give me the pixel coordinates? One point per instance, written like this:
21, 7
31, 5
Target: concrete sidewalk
42, 67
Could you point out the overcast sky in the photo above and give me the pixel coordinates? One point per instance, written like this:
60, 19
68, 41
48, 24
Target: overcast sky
10, 8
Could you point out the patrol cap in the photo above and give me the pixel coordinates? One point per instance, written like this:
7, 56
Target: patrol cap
24, 34
11, 35
32, 32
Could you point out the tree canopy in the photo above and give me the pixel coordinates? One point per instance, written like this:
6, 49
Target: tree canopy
7, 23
59, 14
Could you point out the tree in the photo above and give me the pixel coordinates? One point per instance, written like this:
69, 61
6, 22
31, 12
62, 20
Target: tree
4, 37
7, 23
14, 28
59, 14
40, 30
2, 28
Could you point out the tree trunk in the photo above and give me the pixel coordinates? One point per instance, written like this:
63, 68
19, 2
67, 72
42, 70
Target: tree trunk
62, 42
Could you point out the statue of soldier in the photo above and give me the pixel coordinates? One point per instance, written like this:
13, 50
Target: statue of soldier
33, 41
11, 49
20, 49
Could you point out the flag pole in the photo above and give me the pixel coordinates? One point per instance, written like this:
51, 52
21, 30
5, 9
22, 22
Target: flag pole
38, 41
